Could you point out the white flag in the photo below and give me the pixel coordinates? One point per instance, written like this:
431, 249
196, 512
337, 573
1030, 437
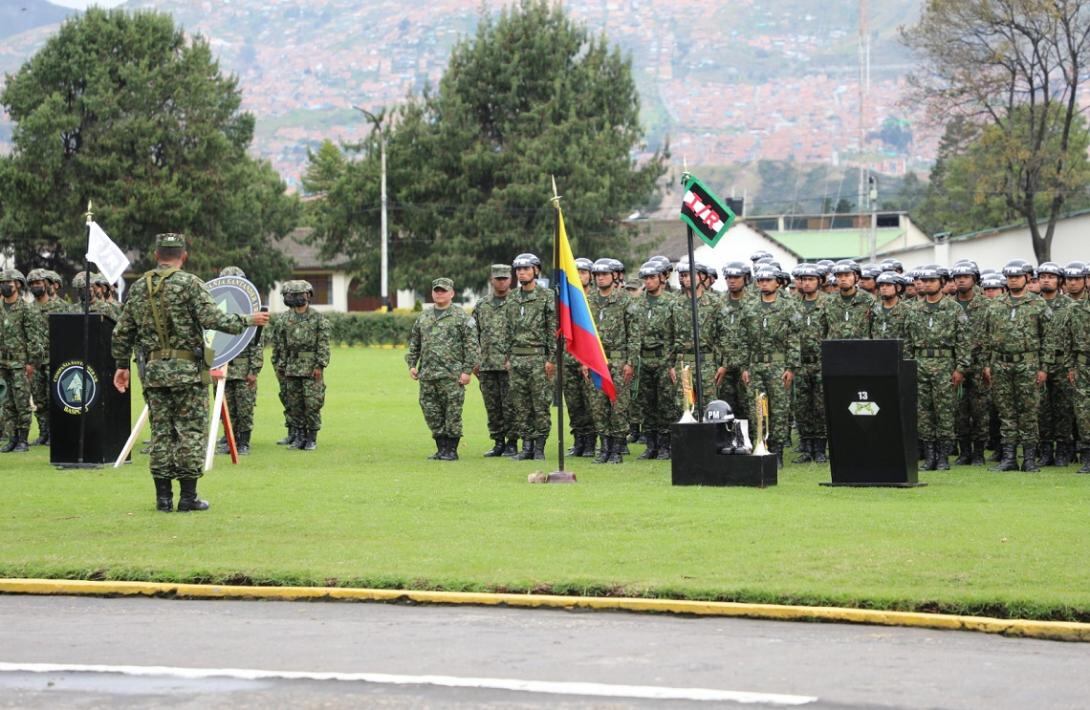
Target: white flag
109, 258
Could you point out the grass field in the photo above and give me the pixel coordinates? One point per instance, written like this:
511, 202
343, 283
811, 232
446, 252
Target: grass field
367, 509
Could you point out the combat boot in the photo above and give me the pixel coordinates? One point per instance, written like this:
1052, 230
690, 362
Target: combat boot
10, 446
496, 450
965, 452
288, 440
1065, 452
978, 453
652, 446
805, 448
301, 440
664, 447
440, 443
618, 444
942, 453
623, 442
527, 452
605, 449
311, 442
188, 499
1007, 460
1045, 455
242, 444
1084, 452
928, 455
20, 442
511, 448
164, 495
1029, 459
450, 449
588, 453
579, 445
539, 448
634, 433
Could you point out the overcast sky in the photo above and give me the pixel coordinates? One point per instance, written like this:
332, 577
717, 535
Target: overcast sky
83, 4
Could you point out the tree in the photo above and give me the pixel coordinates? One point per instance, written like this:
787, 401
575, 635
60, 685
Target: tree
1014, 68
121, 109
532, 94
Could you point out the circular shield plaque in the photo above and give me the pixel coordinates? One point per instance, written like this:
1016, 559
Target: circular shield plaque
232, 294
75, 387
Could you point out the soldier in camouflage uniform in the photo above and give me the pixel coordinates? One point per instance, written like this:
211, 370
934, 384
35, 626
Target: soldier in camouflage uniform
809, 406
974, 399
166, 315
23, 338
937, 336
530, 357
45, 302
656, 393
737, 297
240, 389
618, 328
1073, 340
770, 349
492, 376
578, 392
98, 288
276, 322
710, 318
1056, 423
889, 312
444, 350
848, 311
1016, 363
1075, 280
300, 357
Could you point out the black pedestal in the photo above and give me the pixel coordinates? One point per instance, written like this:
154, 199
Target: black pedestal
870, 411
107, 418
696, 461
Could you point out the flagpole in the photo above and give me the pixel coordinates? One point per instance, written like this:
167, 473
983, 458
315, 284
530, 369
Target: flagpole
693, 278
560, 343
86, 336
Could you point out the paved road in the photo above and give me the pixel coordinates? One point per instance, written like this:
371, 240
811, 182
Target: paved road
839, 665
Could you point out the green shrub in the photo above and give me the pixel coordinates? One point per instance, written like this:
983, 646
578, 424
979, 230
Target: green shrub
371, 328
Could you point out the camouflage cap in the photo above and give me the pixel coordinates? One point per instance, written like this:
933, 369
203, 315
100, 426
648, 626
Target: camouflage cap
232, 271
13, 275
296, 286
500, 271
442, 283
168, 240
633, 284
37, 275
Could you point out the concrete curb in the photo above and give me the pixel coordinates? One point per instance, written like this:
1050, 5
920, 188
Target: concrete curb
1053, 630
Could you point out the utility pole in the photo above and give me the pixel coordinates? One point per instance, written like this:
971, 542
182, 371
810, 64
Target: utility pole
873, 195
864, 90
384, 285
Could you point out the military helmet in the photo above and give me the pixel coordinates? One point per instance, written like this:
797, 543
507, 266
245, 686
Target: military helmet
889, 277
1050, 267
891, 264
98, 279
297, 286
13, 275
526, 259
992, 282
736, 268
964, 268
1017, 267
702, 269
650, 268
616, 265
583, 263
285, 287
944, 272
845, 266
759, 254
682, 267
602, 266
767, 273
713, 272
37, 275
806, 270
826, 263
667, 265
870, 271
718, 411
927, 272
1075, 270
54, 277
79, 281
232, 271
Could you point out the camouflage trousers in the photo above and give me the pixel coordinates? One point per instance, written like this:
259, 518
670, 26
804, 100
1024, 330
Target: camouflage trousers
179, 421
16, 405
305, 399
441, 402
577, 396
657, 399
282, 393
974, 405
936, 399
1081, 397
734, 392
1016, 397
809, 408
707, 379
240, 398
1056, 419
768, 378
39, 390
531, 396
611, 418
495, 386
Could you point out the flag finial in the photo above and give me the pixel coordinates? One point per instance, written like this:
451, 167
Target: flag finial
90, 213
555, 199
685, 174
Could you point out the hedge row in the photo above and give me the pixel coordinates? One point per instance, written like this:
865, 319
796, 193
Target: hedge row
371, 328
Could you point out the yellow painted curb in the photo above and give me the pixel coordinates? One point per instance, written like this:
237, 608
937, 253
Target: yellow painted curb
1054, 630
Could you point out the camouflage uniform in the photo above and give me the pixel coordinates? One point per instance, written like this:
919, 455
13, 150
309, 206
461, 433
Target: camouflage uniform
888, 323
849, 317
240, 394
974, 399
657, 395
493, 378
809, 388
23, 338
166, 315
710, 317
39, 386
301, 346
1073, 340
531, 326
443, 347
937, 337
276, 323
731, 388
1056, 420
618, 329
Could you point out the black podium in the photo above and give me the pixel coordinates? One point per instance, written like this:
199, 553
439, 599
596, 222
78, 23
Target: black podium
107, 417
696, 461
870, 412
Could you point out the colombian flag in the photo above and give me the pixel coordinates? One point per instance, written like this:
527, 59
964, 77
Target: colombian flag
576, 323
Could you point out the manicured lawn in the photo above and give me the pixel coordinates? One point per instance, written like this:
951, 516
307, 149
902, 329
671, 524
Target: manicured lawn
367, 509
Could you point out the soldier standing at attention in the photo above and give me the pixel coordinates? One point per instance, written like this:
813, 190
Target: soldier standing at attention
1056, 423
443, 353
619, 332
1074, 343
809, 389
937, 336
531, 326
657, 399
166, 314
849, 310
301, 357
731, 389
1075, 280
492, 376
578, 392
888, 314
45, 302
710, 317
770, 347
22, 345
1016, 365
276, 321
240, 390
973, 419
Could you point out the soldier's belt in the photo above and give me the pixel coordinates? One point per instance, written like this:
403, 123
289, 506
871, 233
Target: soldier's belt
616, 355
769, 357
187, 355
1082, 358
811, 359
934, 352
651, 351
528, 351
1016, 357
301, 352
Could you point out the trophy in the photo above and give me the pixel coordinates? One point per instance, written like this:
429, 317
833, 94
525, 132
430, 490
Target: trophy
760, 447
687, 397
